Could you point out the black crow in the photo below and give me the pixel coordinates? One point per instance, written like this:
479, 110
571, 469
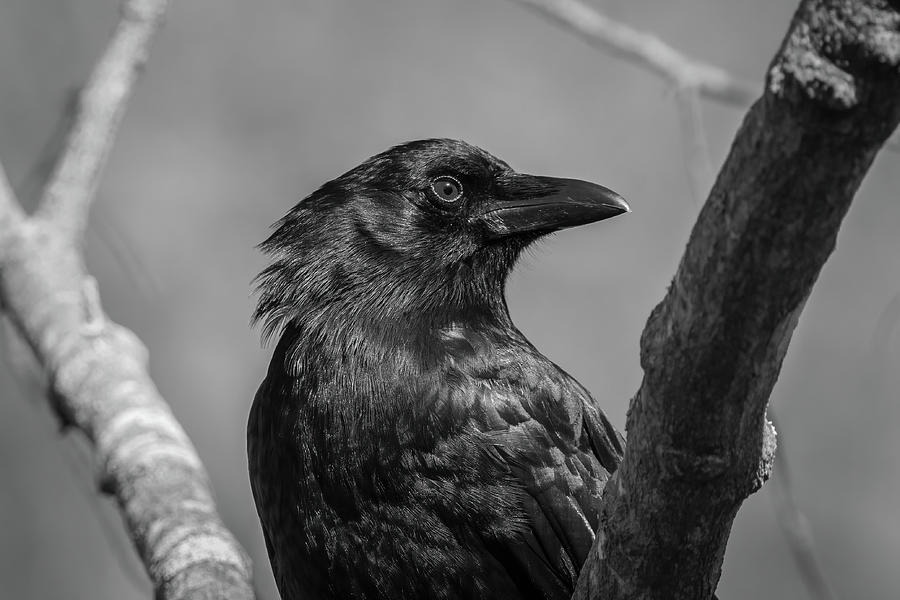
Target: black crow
408, 442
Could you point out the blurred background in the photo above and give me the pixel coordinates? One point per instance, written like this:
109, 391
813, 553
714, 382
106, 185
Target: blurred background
246, 107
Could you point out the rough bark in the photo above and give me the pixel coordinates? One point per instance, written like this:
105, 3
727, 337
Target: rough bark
698, 439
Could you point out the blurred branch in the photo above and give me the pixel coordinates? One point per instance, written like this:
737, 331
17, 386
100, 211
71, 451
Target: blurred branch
98, 369
36, 177
119, 246
885, 328
98, 112
122, 250
696, 155
690, 77
699, 442
797, 530
645, 50
11, 214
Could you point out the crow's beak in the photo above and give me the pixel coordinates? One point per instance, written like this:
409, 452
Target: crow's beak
528, 203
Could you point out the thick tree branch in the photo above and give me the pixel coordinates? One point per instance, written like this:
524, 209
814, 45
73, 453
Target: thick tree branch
98, 369
645, 50
698, 439
98, 112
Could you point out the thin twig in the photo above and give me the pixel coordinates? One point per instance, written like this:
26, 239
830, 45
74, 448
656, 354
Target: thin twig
696, 156
646, 50
797, 530
119, 246
101, 104
122, 250
885, 328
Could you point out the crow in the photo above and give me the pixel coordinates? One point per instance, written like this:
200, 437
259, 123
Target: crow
408, 442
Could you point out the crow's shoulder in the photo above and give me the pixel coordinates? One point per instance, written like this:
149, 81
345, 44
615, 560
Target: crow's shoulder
547, 434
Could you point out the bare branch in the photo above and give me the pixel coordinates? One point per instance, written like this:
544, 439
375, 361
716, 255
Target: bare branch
36, 177
100, 385
885, 328
11, 214
98, 369
645, 50
696, 154
698, 439
797, 530
101, 104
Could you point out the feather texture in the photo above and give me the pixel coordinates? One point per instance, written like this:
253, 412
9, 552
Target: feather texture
408, 442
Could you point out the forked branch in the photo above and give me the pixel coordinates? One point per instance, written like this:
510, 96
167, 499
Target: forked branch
645, 50
98, 369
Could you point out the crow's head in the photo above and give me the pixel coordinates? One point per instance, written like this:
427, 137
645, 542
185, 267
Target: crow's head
429, 228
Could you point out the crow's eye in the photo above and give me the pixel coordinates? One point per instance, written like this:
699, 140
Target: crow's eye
446, 189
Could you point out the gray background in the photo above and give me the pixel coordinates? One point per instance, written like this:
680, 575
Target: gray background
248, 106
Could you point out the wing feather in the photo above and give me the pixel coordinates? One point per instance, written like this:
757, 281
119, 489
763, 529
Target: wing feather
560, 449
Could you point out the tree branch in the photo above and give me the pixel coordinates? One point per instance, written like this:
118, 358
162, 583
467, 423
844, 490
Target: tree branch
11, 214
797, 530
99, 110
696, 156
98, 369
698, 439
645, 50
